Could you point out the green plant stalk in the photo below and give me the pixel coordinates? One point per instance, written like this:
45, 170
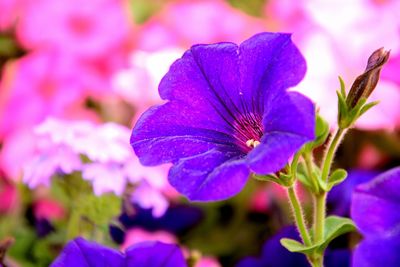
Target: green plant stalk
320, 198
298, 216
330, 153
309, 165
319, 216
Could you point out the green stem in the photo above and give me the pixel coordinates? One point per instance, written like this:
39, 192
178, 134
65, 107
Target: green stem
298, 216
330, 153
320, 198
310, 170
319, 217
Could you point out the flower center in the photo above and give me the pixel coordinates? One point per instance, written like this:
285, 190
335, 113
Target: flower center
248, 131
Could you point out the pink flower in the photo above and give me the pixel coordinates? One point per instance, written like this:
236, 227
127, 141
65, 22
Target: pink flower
46, 208
48, 162
8, 195
84, 28
207, 262
9, 12
335, 47
137, 235
187, 22
60, 144
149, 197
39, 84
138, 84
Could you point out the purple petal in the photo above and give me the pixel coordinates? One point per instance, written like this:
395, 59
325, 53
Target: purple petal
274, 151
173, 131
377, 252
214, 175
376, 204
270, 62
155, 254
250, 262
82, 253
290, 113
288, 123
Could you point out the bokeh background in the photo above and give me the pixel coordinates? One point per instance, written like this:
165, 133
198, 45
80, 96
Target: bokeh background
75, 76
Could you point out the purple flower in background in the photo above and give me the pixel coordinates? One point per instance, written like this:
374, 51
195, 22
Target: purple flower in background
339, 198
375, 210
228, 113
274, 254
82, 253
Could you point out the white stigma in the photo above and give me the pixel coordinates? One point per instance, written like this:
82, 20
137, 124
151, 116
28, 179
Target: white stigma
252, 143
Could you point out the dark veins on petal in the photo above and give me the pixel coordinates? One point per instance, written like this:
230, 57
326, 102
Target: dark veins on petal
245, 122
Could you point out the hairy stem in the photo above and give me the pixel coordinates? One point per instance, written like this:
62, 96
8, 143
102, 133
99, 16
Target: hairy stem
330, 153
320, 198
298, 216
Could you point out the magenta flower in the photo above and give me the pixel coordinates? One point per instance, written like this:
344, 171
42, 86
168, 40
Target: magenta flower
73, 26
228, 114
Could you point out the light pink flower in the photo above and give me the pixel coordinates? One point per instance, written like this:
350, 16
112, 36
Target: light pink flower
138, 84
84, 28
207, 262
8, 195
137, 235
184, 23
335, 47
46, 208
48, 162
60, 144
9, 12
149, 197
39, 84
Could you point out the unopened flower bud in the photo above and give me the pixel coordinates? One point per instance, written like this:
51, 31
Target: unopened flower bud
366, 82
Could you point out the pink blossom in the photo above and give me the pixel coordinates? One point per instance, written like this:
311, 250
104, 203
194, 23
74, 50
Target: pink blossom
138, 84
60, 144
149, 197
9, 12
8, 195
105, 177
48, 162
207, 262
83, 28
137, 235
50, 209
187, 22
39, 84
335, 47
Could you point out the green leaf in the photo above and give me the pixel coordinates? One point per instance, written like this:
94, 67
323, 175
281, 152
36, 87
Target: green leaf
92, 214
342, 87
367, 107
342, 109
354, 113
295, 246
322, 130
266, 178
304, 180
338, 176
334, 227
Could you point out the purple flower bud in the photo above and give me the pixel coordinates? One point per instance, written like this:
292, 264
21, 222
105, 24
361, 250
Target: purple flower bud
365, 84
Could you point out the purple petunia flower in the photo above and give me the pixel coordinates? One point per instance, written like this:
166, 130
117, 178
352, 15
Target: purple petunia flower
82, 253
375, 210
339, 198
274, 254
227, 114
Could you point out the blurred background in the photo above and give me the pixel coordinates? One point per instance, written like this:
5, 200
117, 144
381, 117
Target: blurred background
75, 76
